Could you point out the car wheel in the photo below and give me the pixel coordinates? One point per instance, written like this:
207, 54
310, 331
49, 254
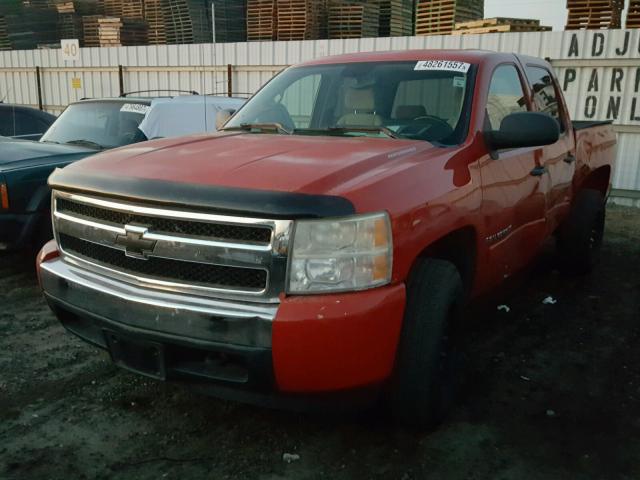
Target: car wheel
427, 363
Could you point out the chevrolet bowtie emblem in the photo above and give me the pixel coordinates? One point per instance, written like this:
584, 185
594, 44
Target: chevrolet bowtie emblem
134, 243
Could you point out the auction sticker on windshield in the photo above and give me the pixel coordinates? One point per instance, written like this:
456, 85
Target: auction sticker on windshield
446, 65
135, 108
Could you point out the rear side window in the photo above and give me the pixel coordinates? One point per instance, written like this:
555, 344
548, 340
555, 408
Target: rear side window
545, 95
506, 96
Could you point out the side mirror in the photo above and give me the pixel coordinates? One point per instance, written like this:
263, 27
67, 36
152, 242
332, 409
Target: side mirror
222, 116
524, 129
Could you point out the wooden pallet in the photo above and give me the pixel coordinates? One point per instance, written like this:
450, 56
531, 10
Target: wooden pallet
133, 9
231, 20
187, 21
439, 17
262, 20
112, 8
155, 19
353, 19
5, 44
65, 7
396, 18
134, 32
299, 19
594, 14
633, 15
109, 31
70, 26
499, 24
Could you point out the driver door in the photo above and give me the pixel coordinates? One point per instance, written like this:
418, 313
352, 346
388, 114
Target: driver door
513, 185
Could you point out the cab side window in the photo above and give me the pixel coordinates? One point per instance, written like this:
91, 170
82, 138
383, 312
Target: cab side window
545, 95
506, 96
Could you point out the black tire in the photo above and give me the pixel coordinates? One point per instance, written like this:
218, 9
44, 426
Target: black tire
579, 238
427, 363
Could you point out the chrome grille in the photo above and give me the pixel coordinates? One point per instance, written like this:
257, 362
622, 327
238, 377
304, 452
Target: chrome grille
175, 270
186, 252
257, 234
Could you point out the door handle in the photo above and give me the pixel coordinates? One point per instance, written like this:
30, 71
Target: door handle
538, 171
569, 159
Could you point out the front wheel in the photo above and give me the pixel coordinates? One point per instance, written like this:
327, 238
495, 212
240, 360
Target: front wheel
426, 368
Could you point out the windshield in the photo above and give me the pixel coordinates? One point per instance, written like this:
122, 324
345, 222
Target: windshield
414, 100
98, 125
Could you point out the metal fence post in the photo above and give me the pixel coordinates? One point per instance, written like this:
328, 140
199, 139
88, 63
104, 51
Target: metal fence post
229, 81
121, 79
39, 87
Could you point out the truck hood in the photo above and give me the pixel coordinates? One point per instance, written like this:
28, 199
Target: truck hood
22, 153
303, 164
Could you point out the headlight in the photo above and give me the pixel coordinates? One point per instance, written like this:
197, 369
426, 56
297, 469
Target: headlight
339, 255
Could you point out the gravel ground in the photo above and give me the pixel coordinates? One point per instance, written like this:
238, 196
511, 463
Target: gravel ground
552, 393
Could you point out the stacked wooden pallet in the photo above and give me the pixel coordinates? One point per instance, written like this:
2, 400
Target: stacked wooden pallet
353, 19
155, 18
32, 26
396, 18
109, 29
438, 17
231, 20
134, 32
594, 14
112, 8
90, 30
133, 9
633, 15
66, 8
300, 19
262, 20
5, 44
500, 24
70, 26
187, 21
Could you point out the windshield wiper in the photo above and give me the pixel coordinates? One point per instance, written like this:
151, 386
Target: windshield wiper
275, 127
388, 132
87, 143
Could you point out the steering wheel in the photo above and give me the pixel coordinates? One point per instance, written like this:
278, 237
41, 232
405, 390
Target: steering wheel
420, 130
276, 113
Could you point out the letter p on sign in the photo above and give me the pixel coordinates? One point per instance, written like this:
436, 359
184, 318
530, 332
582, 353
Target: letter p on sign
70, 50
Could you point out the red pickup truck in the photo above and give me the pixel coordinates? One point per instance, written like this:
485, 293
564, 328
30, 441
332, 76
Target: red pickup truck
323, 243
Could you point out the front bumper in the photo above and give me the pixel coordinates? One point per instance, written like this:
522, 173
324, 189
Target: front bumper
305, 345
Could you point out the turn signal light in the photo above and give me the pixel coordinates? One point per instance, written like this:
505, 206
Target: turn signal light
4, 197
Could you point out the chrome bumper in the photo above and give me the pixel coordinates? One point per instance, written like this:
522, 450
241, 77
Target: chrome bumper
199, 319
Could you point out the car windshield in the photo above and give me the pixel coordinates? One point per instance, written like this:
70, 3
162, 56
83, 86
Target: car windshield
98, 125
425, 100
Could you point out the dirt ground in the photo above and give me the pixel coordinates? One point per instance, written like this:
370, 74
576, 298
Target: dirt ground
553, 392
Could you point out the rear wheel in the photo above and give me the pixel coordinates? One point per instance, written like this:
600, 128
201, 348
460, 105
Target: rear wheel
579, 239
427, 364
